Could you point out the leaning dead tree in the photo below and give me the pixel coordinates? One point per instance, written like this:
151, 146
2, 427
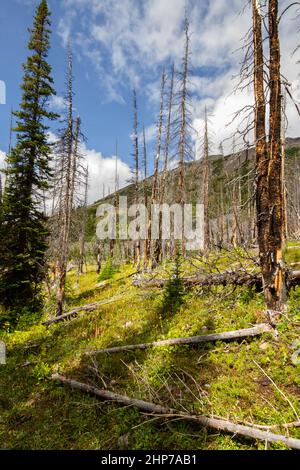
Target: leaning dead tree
269, 164
86, 309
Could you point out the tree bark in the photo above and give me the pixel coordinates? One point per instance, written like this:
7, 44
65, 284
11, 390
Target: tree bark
269, 188
183, 124
136, 243
206, 187
68, 161
155, 188
147, 240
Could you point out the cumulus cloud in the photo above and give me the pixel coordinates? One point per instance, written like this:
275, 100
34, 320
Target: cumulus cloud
2, 158
2, 92
57, 103
150, 133
2, 166
102, 173
134, 39
140, 36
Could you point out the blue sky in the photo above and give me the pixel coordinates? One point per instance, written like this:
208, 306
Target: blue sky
104, 120
119, 45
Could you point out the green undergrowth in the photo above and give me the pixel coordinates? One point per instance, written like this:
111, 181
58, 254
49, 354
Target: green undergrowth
230, 380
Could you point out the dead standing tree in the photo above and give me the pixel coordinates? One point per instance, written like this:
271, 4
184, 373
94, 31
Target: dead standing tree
135, 171
63, 179
83, 215
269, 164
68, 178
156, 252
182, 126
167, 147
145, 189
112, 242
206, 185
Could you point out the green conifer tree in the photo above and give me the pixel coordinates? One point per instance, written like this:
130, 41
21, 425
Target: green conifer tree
24, 233
174, 292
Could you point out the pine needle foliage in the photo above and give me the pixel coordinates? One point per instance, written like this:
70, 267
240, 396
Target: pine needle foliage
24, 233
174, 292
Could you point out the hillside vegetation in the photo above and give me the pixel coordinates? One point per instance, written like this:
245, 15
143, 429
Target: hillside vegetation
223, 170
252, 381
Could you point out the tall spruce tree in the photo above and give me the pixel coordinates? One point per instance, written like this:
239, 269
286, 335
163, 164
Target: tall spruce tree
24, 240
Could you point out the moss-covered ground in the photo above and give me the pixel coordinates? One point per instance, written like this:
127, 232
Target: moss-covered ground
220, 379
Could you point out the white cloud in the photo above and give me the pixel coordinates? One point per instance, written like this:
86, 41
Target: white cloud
2, 92
57, 103
150, 134
2, 159
128, 43
102, 172
2, 166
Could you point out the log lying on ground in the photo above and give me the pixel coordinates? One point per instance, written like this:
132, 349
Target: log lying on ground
192, 340
85, 308
235, 278
164, 412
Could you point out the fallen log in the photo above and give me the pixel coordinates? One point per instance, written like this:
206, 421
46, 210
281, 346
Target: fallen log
226, 336
236, 278
164, 412
85, 308
221, 279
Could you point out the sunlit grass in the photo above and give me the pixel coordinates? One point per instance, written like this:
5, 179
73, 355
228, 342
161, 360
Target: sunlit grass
219, 379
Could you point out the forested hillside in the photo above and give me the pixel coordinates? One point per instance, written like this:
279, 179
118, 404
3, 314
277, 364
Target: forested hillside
171, 322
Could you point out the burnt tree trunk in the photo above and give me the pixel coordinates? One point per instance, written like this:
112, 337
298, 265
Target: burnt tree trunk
206, 187
155, 189
269, 188
146, 241
136, 243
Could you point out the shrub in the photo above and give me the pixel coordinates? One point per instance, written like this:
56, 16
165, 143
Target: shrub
174, 293
107, 272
